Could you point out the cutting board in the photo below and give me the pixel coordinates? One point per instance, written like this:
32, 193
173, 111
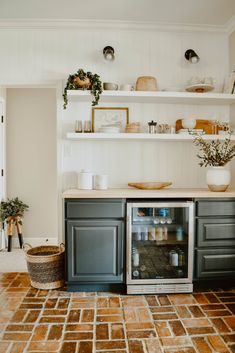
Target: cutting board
206, 125
150, 186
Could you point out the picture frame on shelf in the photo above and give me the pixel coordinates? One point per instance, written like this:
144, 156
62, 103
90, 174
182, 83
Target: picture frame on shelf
112, 119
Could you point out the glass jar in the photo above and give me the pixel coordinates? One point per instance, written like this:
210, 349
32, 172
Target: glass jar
152, 127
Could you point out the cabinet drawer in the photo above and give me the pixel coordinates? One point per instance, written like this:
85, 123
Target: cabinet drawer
213, 263
95, 208
215, 208
215, 232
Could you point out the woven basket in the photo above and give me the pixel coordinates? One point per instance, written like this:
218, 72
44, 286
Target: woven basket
45, 266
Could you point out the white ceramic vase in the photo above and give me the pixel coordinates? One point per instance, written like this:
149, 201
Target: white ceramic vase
218, 178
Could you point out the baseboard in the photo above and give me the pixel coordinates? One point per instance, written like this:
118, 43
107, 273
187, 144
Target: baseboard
35, 241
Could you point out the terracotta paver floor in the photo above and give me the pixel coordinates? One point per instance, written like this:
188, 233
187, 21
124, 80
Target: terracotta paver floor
39, 321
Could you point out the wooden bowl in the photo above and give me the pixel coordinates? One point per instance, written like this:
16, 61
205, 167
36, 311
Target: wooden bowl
150, 185
146, 83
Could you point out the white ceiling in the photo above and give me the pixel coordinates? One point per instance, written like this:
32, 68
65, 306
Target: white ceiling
204, 12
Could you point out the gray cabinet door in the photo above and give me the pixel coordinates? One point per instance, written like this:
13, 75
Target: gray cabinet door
215, 232
212, 263
95, 250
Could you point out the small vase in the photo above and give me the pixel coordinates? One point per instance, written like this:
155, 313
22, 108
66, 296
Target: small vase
218, 178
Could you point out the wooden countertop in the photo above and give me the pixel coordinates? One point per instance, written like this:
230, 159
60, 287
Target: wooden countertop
136, 193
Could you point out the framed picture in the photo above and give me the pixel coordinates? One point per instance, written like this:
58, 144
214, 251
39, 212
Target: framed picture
109, 117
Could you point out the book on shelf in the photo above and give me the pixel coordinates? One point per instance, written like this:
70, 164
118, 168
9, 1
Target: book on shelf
229, 86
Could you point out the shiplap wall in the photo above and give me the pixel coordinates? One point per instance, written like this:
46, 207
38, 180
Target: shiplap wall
38, 56
232, 109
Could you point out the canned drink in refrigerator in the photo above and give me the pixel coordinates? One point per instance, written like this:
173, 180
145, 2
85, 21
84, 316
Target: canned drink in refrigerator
159, 233
138, 233
136, 259
174, 258
179, 234
165, 233
181, 258
152, 235
144, 234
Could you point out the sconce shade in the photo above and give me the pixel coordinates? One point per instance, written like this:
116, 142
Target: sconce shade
108, 53
191, 56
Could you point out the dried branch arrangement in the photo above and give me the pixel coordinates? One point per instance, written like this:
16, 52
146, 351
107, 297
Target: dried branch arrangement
216, 152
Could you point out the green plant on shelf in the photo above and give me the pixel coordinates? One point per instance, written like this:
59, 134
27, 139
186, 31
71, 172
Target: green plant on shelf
84, 81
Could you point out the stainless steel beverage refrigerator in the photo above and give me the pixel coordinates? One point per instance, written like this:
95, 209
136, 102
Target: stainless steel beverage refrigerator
160, 238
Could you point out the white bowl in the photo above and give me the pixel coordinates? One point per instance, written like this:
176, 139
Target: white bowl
189, 123
110, 86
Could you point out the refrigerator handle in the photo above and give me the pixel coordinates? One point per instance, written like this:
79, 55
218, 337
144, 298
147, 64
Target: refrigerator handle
128, 241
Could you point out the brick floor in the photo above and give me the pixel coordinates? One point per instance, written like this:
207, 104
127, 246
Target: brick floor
57, 321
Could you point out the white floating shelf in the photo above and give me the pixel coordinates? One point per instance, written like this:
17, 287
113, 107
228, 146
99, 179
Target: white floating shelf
140, 136
155, 97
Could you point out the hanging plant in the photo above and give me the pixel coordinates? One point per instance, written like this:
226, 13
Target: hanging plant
85, 81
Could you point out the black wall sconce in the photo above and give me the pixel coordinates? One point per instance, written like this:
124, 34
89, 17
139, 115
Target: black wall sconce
108, 53
191, 56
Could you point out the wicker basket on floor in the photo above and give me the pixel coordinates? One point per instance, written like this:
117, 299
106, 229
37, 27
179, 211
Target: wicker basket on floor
45, 265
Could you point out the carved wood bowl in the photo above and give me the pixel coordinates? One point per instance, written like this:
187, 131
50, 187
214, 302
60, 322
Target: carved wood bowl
150, 186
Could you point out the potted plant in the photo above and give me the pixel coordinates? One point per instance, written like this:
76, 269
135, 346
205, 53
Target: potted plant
85, 81
216, 154
12, 211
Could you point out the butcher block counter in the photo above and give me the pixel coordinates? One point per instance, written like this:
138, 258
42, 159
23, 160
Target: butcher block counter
130, 193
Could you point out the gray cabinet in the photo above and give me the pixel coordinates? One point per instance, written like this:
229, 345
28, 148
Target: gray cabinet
95, 250
215, 239
94, 236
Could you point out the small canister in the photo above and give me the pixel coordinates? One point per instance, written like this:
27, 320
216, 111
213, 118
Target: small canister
100, 182
152, 127
85, 180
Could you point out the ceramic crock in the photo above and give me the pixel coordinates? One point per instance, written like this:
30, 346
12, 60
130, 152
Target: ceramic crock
218, 178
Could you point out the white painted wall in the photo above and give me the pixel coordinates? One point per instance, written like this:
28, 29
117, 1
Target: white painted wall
232, 51
232, 110
2, 152
31, 158
36, 56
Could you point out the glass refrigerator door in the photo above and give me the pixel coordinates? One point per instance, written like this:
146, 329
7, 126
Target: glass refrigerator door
160, 238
